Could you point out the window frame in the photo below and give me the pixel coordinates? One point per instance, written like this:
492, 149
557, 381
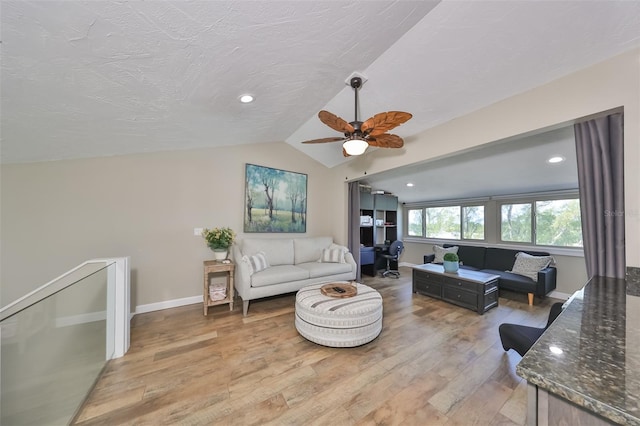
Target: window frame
461, 207
492, 207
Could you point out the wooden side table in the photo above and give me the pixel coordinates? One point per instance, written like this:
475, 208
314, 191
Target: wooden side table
212, 266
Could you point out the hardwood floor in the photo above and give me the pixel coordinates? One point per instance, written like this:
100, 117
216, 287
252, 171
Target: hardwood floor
433, 363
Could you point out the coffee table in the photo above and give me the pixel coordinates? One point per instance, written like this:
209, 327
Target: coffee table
338, 322
470, 289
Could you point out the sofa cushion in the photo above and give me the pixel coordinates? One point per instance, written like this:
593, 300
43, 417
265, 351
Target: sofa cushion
310, 249
278, 251
332, 255
278, 274
441, 251
514, 282
503, 259
257, 262
529, 266
324, 269
472, 256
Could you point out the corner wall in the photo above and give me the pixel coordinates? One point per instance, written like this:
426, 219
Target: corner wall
55, 215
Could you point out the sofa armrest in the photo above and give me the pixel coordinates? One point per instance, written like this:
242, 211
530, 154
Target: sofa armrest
242, 275
546, 281
428, 258
348, 257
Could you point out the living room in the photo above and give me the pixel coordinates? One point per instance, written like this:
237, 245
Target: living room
56, 213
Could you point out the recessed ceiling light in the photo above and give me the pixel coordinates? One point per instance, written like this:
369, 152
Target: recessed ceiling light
245, 99
410, 184
555, 159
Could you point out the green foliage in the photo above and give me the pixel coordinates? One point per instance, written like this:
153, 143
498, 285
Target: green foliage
415, 223
219, 238
516, 222
279, 222
450, 257
473, 222
443, 222
558, 223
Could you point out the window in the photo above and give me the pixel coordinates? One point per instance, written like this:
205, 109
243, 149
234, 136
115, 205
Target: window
542, 222
450, 222
543, 219
415, 220
443, 222
558, 223
516, 222
473, 222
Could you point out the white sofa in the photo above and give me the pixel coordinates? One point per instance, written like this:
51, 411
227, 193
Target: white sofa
293, 263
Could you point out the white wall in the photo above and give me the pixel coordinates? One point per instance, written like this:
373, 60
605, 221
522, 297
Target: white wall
602, 87
57, 214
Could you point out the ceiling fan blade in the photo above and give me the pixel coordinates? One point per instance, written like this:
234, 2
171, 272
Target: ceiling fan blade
324, 140
386, 141
335, 122
384, 121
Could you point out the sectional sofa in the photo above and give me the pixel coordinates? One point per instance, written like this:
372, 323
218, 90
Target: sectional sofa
274, 266
500, 261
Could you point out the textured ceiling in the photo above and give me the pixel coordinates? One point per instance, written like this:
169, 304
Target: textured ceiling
98, 78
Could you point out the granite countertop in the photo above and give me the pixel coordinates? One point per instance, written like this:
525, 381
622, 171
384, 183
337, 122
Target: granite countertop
591, 354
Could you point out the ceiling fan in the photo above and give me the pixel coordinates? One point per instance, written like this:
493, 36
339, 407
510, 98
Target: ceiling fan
359, 135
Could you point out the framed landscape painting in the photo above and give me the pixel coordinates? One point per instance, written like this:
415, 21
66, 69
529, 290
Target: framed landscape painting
275, 200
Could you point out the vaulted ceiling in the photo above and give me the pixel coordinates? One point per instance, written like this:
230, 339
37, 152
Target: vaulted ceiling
99, 78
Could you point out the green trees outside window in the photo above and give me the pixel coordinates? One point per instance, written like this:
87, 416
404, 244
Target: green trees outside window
443, 222
558, 223
536, 221
415, 219
473, 222
452, 222
552, 222
516, 222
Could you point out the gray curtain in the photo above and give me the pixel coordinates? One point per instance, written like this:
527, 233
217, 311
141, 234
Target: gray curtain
599, 146
354, 224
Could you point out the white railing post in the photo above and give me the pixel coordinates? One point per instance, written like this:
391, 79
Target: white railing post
118, 307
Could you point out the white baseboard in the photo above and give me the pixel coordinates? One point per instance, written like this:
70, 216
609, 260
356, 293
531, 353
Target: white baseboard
141, 309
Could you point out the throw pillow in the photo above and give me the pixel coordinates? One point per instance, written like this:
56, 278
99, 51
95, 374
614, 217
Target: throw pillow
258, 262
440, 252
338, 246
528, 265
332, 255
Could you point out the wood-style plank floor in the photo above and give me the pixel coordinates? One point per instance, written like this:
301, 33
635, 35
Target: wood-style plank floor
433, 363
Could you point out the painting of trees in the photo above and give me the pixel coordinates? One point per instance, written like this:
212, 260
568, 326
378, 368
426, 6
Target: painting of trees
275, 200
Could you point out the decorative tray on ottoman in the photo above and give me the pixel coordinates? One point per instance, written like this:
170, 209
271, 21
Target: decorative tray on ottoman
339, 289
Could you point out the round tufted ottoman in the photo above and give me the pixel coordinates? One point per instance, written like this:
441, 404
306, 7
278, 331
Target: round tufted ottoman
338, 322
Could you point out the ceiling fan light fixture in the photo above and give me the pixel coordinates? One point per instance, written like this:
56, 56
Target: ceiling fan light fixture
355, 146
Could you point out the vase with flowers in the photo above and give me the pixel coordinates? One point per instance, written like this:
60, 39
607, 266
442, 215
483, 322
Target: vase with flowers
219, 240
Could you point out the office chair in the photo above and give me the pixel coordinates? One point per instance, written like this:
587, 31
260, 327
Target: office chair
520, 338
395, 249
